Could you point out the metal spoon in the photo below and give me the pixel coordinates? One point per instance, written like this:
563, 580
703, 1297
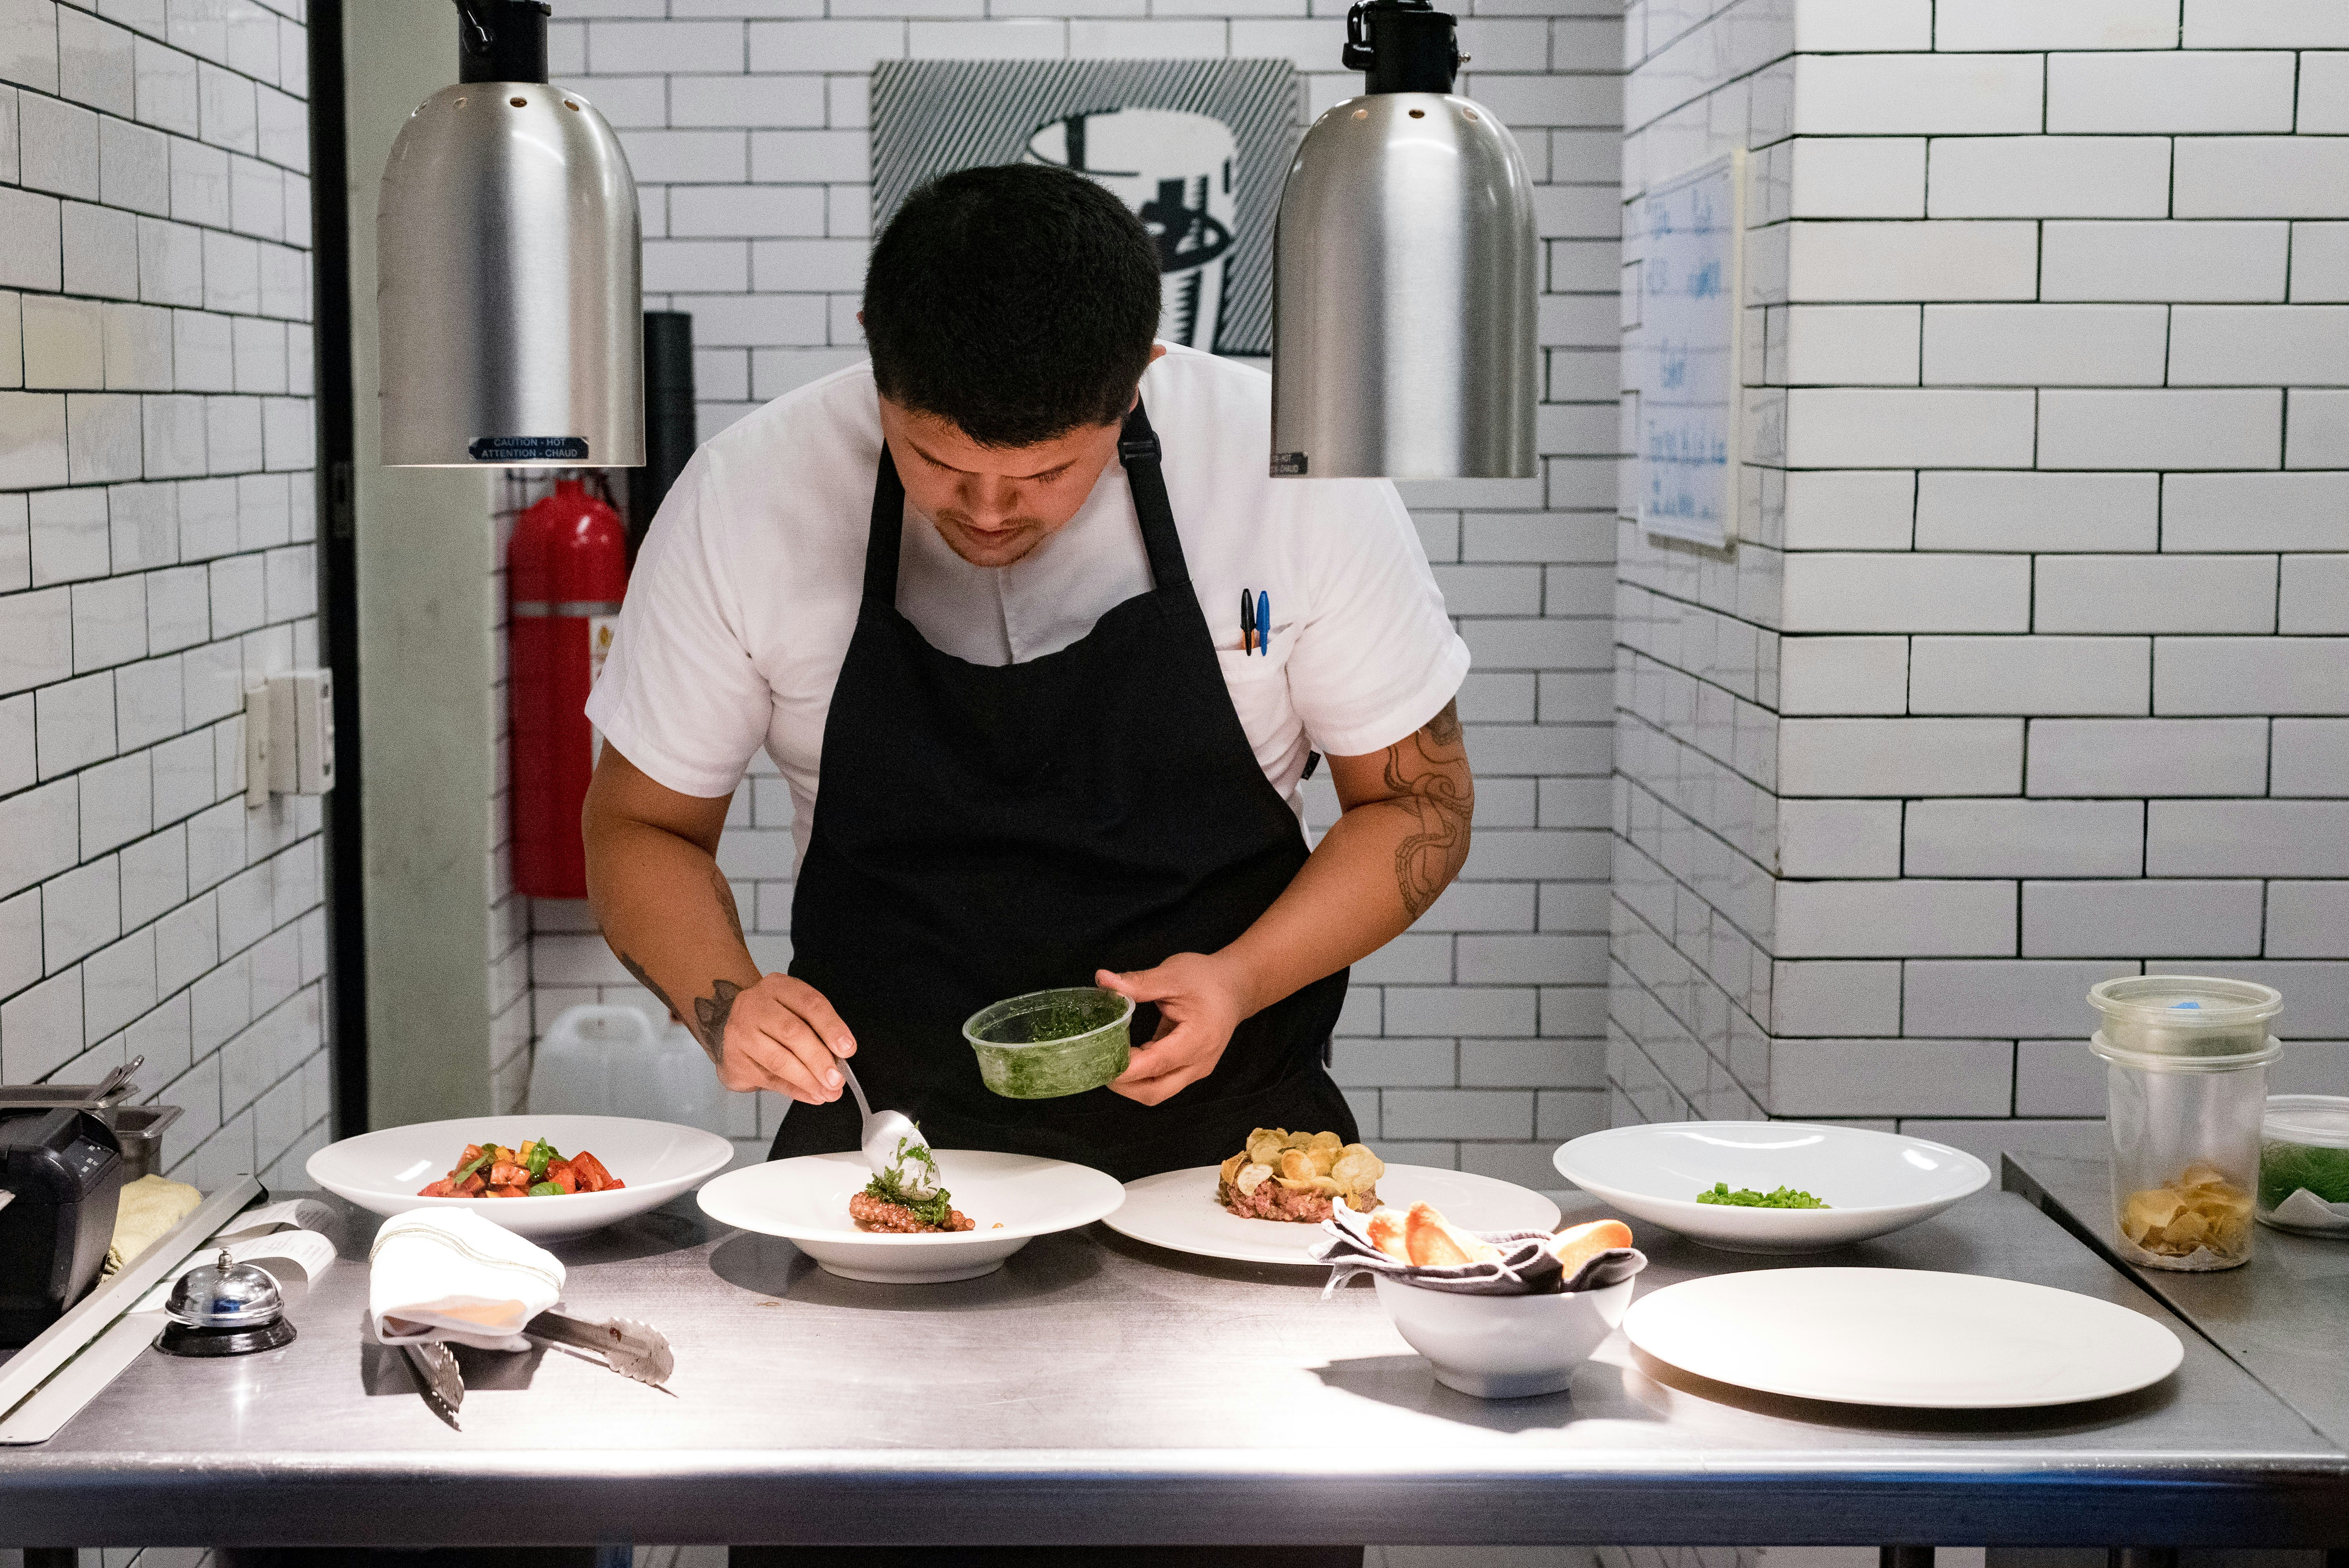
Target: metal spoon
883, 1130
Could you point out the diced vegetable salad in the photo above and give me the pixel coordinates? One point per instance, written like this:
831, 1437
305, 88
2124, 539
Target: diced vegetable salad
536, 1169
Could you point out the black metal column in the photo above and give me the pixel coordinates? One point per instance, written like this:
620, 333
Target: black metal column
330, 261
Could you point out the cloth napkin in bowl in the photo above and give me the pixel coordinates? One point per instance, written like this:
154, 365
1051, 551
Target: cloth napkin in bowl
451, 1274
1523, 1268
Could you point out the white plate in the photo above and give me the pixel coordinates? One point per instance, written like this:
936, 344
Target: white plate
1014, 1198
1177, 1209
1906, 1338
380, 1171
1872, 1182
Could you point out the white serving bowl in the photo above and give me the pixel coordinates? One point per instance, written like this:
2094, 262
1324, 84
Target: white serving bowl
1013, 1198
1872, 1182
380, 1171
1503, 1347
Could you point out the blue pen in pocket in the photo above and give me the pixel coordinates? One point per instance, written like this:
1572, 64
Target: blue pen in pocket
1264, 624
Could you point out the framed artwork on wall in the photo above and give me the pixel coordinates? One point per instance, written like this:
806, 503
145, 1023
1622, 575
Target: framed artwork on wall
1683, 377
1197, 149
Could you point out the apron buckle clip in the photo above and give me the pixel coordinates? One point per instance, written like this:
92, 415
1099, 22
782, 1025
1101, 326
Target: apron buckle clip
1141, 448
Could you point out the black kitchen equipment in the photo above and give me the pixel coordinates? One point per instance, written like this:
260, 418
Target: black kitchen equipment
670, 432
225, 1308
60, 1180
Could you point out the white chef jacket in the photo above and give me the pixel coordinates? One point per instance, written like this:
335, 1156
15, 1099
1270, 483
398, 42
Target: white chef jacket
745, 593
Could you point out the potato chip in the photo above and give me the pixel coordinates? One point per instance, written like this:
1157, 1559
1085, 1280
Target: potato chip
1297, 1140
1327, 1186
1264, 1147
1231, 1168
1323, 1159
2198, 1209
1250, 1178
1357, 1170
1296, 1165
1329, 1141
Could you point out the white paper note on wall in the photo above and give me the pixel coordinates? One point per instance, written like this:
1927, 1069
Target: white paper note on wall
1684, 355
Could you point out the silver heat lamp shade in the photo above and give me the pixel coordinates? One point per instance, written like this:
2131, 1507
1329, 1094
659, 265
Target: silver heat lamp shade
1405, 275
509, 269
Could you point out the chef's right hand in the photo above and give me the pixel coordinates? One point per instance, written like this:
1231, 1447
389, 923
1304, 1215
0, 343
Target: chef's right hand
780, 1035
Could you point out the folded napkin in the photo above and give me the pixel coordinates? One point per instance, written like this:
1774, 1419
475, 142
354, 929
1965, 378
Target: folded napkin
1523, 1268
451, 1274
2307, 1212
149, 1207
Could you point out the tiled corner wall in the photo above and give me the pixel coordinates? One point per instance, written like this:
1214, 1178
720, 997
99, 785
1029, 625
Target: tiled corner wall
1477, 1040
2032, 669
156, 519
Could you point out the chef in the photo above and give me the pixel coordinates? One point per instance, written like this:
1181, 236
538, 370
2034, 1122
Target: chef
1042, 654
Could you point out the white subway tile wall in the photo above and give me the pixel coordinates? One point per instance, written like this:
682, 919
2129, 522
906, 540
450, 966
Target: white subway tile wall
155, 553
1477, 1040
2027, 670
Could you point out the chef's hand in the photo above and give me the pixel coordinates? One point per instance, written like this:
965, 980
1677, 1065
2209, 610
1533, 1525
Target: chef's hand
1199, 1005
781, 1034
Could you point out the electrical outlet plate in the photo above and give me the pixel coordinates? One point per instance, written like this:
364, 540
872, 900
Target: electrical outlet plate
257, 737
289, 736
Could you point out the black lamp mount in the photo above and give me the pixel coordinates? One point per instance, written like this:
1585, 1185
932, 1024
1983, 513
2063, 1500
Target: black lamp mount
1402, 45
502, 40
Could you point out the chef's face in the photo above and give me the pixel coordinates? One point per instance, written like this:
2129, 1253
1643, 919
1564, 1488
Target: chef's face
994, 504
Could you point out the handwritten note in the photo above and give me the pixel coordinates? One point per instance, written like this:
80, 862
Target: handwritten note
1683, 359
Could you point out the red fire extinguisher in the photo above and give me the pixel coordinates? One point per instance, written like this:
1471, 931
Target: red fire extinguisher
566, 569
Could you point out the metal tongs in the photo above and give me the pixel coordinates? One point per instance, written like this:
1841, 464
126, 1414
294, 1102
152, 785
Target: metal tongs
435, 1366
631, 1349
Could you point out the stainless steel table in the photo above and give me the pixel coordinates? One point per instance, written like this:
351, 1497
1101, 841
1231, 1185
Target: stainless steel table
1100, 1391
2284, 1316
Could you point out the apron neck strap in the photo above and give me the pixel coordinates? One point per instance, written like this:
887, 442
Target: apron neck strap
1137, 448
888, 530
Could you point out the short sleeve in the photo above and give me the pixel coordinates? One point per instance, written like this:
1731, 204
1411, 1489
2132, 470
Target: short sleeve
1378, 657
680, 694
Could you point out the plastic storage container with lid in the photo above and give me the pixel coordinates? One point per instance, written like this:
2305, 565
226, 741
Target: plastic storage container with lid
2304, 1164
2186, 1085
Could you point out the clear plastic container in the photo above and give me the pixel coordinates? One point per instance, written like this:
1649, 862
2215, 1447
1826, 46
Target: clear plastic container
1046, 1043
2185, 1086
2304, 1164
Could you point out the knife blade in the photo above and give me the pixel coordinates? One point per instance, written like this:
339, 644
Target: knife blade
633, 1349
436, 1369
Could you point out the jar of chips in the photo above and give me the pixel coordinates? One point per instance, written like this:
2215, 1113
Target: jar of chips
2186, 1084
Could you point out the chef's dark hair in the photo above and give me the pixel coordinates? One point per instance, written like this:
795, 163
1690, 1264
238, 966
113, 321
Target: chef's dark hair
1018, 301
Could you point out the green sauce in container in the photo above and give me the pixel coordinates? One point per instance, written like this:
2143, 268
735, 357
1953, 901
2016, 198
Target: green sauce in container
2304, 1146
1046, 1043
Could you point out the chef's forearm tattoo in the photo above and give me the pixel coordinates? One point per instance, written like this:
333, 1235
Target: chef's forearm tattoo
726, 902
647, 981
1427, 772
711, 1012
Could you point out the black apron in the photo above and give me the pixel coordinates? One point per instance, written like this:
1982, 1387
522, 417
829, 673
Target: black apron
985, 830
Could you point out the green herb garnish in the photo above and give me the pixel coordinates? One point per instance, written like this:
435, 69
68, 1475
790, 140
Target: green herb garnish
1747, 1198
546, 1190
2286, 1167
891, 1186
536, 1157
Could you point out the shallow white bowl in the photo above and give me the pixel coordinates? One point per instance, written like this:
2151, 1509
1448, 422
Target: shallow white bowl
1873, 1183
380, 1171
1503, 1347
1014, 1198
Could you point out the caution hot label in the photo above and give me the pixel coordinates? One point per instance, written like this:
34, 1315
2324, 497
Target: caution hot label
529, 449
